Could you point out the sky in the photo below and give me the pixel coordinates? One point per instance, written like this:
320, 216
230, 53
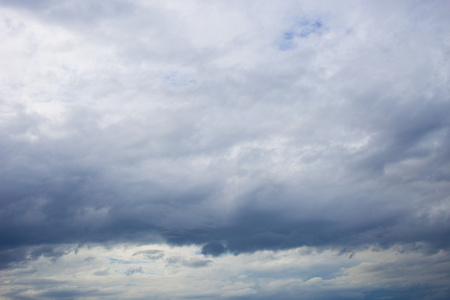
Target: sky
224, 149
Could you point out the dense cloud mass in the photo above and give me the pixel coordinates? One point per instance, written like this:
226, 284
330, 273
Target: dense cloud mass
237, 128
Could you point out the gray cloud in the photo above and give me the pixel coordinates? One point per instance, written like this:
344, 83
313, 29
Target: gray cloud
132, 271
151, 254
197, 263
72, 293
301, 125
213, 248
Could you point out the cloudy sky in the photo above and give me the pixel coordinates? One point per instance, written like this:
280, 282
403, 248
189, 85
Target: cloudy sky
224, 149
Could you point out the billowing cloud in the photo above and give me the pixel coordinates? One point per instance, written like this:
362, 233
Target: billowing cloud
234, 128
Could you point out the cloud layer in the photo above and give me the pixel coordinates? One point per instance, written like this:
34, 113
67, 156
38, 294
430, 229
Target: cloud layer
236, 128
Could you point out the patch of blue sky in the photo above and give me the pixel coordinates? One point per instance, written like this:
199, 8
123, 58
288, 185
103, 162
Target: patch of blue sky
178, 79
301, 29
308, 28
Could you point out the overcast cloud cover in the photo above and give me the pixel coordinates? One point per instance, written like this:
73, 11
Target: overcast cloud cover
224, 149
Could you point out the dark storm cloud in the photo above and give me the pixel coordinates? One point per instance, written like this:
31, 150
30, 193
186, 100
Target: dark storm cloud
408, 132
356, 162
72, 190
58, 192
16, 256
